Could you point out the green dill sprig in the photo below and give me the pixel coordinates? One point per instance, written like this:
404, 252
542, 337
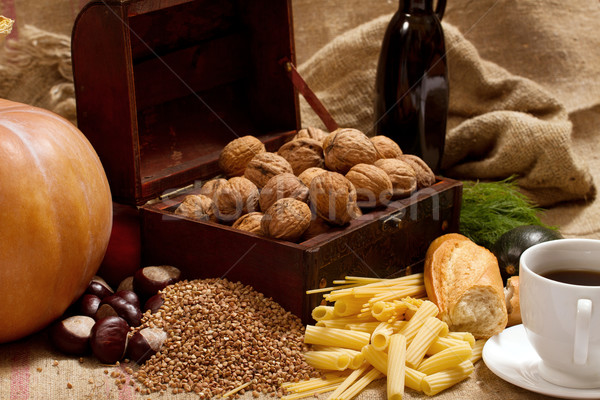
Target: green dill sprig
491, 208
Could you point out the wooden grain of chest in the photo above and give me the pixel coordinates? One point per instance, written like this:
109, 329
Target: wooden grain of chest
163, 85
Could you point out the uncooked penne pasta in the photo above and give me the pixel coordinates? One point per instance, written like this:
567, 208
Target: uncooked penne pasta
320, 313
427, 309
413, 379
368, 327
356, 357
347, 306
435, 383
396, 367
425, 336
328, 360
378, 359
477, 350
446, 359
442, 343
381, 336
466, 336
336, 337
383, 310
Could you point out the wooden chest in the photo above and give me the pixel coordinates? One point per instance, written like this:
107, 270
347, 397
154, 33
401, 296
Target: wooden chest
163, 85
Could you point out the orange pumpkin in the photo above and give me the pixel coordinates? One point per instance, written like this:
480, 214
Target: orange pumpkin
55, 217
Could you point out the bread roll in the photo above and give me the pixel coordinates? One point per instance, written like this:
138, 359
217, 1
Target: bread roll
513, 307
463, 280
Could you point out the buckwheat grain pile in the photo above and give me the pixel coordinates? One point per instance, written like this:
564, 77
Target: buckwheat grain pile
222, 335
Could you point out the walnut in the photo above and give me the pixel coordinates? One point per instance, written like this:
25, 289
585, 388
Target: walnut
249, 222
333, 197
281, 186
210, 187
237, 154
312, 133
425, 176
307, 176
386, 147
346, 147
303, 153
198, 207
286, 219
317, 226
373, 185
264, 166
236, 197
402, 175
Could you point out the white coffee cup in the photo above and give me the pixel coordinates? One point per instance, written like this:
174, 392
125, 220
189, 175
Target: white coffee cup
562, 320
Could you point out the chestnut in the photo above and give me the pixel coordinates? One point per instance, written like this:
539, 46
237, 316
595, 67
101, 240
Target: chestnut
144, 343
109, 339
99, 287
72, 335
88, 304
126, 284
129, 296
117, 306
148, 281
154, 303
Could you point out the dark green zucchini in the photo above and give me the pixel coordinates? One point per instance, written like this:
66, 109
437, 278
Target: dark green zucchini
511, 244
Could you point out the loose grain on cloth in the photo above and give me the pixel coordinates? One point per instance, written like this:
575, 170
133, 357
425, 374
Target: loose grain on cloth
499, 124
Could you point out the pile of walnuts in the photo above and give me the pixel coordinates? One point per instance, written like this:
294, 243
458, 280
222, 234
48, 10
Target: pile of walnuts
313, 182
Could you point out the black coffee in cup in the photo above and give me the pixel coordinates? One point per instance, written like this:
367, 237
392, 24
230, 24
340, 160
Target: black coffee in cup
583, 277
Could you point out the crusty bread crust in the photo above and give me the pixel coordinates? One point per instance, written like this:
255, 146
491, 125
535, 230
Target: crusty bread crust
464, 280
513, 306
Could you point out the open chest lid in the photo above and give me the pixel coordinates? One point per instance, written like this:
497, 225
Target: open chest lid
163, 86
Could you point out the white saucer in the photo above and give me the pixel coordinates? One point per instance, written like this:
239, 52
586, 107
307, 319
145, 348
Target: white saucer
510, 356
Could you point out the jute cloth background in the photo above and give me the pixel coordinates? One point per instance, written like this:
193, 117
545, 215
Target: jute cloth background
525, 98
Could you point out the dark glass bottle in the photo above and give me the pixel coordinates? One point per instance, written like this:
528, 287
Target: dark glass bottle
411, 88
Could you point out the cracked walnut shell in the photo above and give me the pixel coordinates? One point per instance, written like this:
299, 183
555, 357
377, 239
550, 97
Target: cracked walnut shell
264, 166
197, 206
373, 185
302, 154
236, 197
386, 147
402, 175
281, 186
346, 147
286, 219
249, 222
333, 198
237, 154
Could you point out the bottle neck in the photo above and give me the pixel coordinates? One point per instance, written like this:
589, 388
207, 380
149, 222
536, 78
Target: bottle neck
416, 6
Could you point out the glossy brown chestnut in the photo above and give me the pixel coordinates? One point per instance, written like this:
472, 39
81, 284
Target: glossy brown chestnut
117, 306
144, 343
109, 339
148, 281
72, 335
99, 287
154, 303
129, 296
126, 284
88, 305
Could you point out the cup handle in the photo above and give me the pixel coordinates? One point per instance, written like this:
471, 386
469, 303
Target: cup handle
582, 331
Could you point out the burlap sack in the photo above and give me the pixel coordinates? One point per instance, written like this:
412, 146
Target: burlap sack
36, 70
499, 124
